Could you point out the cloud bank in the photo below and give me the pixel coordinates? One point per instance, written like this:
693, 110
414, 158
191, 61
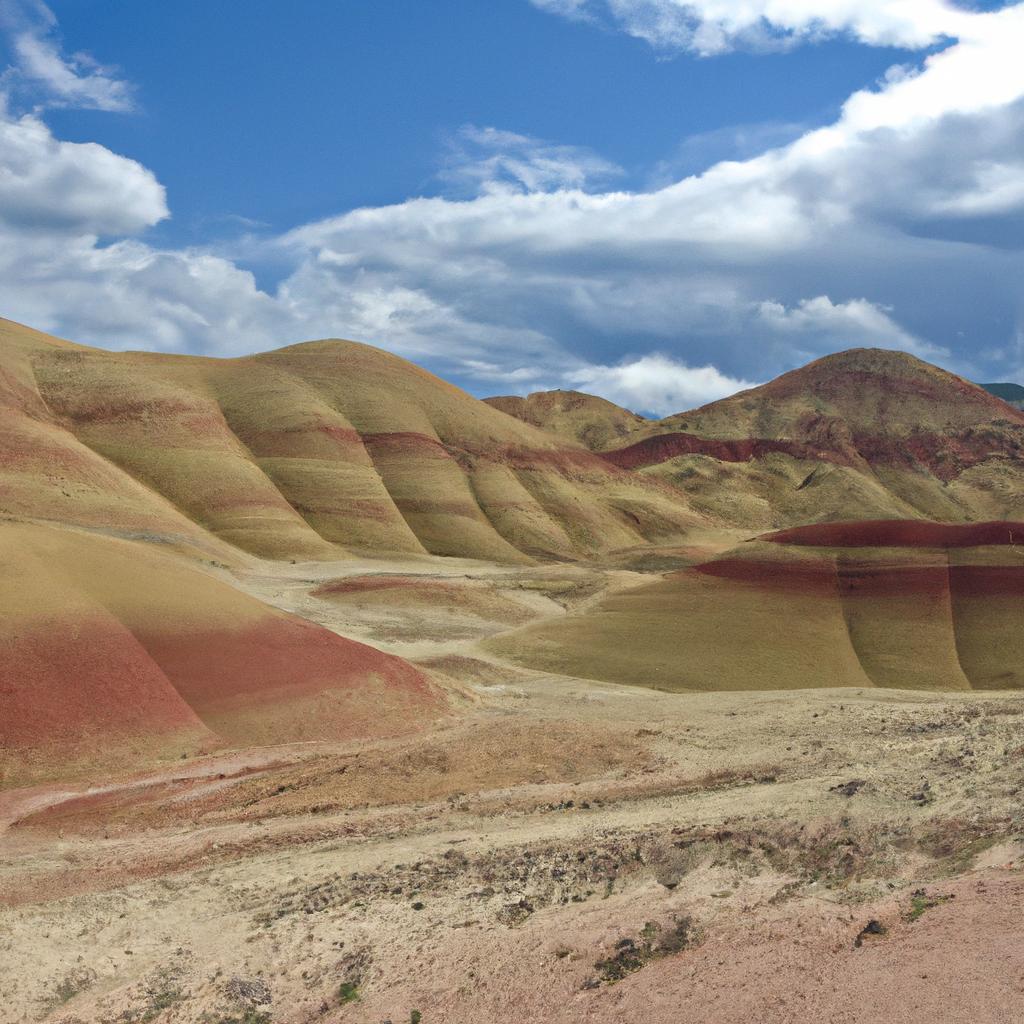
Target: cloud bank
898, 225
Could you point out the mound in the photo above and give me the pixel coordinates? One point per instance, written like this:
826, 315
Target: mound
594, 422
865, 433
926, 606
112, 653
306, 452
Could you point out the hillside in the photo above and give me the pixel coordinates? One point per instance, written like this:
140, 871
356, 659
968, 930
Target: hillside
866, 433
113, 653
310, 451
594, 422
900, 604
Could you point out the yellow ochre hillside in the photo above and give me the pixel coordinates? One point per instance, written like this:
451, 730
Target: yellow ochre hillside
310, 451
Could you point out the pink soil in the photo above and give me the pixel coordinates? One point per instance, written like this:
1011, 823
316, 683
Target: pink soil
93, 680
276, 659
365, 584
65, 680
961, 963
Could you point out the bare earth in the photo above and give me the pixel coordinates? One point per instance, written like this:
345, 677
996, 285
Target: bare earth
554, 850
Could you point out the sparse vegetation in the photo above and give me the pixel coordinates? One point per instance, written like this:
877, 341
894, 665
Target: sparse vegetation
921, 902
653, 942
70, 986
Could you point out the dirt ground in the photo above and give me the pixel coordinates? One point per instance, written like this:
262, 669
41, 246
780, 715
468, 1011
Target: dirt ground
554, 850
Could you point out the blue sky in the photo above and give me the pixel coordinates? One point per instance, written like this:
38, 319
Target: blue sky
655, 200
291, 113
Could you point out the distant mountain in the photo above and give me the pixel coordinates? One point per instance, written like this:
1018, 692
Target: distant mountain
866, 433
594, 422
1013, 394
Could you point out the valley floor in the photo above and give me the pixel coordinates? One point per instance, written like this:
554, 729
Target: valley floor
554, 850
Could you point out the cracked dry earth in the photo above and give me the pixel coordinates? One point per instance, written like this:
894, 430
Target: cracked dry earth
555, 850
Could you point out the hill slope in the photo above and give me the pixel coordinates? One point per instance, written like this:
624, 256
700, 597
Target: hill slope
112, 652
866, 433
900, 604
304, 452
594, 422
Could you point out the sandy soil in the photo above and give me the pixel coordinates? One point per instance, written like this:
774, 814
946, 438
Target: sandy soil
555, 850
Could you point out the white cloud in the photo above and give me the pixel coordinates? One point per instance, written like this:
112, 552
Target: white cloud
534, 278
52, 78
485, 161
47, 185
841, 325
656, 383
709, 27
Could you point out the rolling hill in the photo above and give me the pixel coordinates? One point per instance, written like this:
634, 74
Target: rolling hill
594, 422
866, 433
114, 652
890, 603
306, 452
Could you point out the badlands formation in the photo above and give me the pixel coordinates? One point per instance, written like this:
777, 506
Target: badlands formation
329, 693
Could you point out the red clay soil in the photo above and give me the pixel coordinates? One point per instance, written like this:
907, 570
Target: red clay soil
89, 687
271, 660
365, 584
833, 378
853, 580
946, 455
900, 533
792, 577
66, 680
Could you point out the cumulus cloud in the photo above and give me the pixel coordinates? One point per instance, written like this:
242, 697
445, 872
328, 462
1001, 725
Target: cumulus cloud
656, 383
844, 325
49, 186
531, 271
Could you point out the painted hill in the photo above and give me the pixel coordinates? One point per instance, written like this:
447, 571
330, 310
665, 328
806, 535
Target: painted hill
113, 652
886, 603
306, 452
594, 422
865, 433
1012, 394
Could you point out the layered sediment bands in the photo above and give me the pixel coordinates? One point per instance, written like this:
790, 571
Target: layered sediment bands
925, 606
662, 447
889, 434
111, 652
945, 455
309, 452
